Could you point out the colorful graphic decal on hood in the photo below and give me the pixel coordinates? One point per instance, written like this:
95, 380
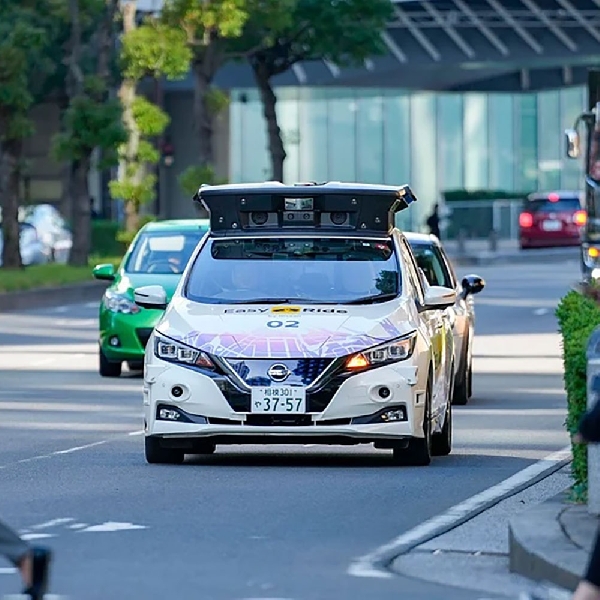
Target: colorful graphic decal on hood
315, 343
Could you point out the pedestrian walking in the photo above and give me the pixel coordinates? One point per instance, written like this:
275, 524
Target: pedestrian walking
433, 221
589, 432
33, 562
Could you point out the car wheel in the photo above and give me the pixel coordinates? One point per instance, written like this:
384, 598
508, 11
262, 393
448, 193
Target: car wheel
418, 453
157, 455
470, 379
108, 368
461, 394
136, 365
204, 448
441, 443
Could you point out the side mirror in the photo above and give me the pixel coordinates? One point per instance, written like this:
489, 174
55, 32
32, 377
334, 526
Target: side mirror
472, 284
573, 148
438, 297
105, 272
151, 296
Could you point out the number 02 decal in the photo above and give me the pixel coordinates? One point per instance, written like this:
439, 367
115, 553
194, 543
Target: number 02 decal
284, 324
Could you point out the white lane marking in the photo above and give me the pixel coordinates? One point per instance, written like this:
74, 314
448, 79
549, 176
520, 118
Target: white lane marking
53, 523
140, 432
91, 304
78, 525
374, 563
43, 361
59, 309
8, 570
112, 526
37, 536
541, 311
67, 451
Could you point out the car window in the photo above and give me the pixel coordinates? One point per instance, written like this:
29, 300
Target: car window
550, 205
163, 252
413, 272
319, 270
429, 259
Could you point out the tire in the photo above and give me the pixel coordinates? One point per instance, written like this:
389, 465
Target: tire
441, 443
157, 455
204, 448
418, 453
462, 382
108, 368
135, 365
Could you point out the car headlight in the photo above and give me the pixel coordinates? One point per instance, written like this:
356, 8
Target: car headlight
176, 352
390, 352
118, 303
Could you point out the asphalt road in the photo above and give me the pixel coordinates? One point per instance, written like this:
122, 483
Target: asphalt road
269, 523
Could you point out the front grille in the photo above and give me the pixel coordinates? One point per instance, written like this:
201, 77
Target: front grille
303, 371
143, 335
276, 420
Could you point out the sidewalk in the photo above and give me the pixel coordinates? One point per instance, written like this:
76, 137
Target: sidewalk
477, 252
551, 542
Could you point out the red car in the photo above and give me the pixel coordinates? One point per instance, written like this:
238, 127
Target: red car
551, 219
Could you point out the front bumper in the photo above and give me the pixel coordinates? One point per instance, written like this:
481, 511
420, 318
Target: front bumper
345, 410
130, 331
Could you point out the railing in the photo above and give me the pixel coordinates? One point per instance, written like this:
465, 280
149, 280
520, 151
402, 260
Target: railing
477, 219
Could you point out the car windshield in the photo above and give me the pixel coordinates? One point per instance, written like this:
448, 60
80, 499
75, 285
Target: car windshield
163, 252
274, 270
430, 261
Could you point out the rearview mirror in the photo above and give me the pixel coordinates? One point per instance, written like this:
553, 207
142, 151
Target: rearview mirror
472, 284
438, 297
572, 143
151, 296
105, 272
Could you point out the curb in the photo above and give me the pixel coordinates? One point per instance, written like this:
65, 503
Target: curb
52, 296
526, 257
539, 548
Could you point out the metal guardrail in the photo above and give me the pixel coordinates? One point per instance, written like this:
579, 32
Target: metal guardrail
479, 218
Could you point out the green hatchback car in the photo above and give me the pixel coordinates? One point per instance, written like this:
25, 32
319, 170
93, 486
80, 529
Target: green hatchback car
157, 256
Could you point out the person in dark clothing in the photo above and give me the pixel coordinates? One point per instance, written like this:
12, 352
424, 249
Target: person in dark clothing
33, 562
433, 221
589, 432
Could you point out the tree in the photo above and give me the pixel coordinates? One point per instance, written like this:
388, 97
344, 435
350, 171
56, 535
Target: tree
153, 49
208, 25
280, 34
93, 119
25, 32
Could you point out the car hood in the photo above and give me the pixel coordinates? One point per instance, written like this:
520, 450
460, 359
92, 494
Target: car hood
262, 331
127, 282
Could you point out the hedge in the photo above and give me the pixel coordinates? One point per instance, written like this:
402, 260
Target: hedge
104, 238
459, 195
578, 315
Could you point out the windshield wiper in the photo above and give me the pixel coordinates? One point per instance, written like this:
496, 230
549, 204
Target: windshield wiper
274, 301
372, 299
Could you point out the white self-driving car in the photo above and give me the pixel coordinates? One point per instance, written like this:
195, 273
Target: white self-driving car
301, 318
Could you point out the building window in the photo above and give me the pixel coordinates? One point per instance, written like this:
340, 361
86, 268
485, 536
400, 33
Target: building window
314, 134
476, 154
423, 172
526, 137
450, 148
255, 164
288, 118
572, 104
369, 137
341, 108
549, 140
501, 142
396, 138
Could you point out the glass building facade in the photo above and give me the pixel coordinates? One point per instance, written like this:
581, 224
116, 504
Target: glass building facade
433, 141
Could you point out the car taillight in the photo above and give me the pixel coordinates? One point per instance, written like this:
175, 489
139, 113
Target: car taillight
580, 218
525, 219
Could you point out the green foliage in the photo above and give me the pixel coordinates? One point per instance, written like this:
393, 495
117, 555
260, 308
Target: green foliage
578, 316
156, 49
202, 21
193, 177
150, 119
137, 190
459, 195
125, 237
104, 238
89, 124
216, 100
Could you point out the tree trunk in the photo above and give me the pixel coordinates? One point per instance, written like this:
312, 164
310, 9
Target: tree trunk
203, 117
10, 154
269, 101
81, 218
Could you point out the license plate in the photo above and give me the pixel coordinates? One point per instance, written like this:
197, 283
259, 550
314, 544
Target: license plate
551, 225
279, 400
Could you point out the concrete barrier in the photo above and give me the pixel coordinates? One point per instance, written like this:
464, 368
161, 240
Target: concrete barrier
593, 385
54, 296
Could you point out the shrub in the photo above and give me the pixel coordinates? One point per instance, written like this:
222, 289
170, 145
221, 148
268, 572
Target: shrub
578, 315
104, 238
